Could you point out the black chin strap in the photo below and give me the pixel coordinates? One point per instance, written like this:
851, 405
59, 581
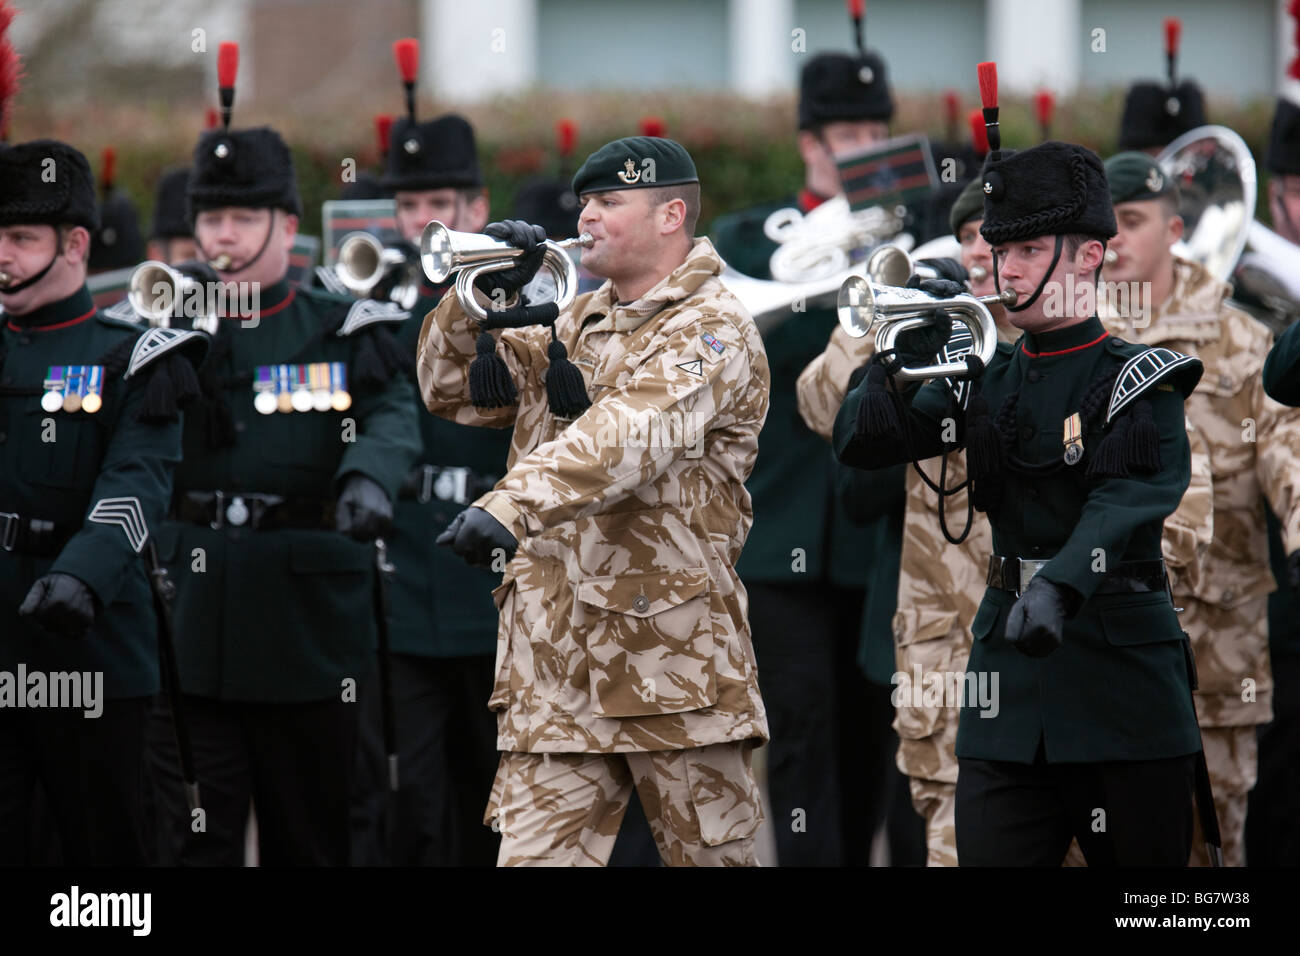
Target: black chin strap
270, 229
32, 280
1021, 306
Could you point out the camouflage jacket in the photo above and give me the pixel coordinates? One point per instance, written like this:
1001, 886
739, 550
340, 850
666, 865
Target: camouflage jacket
940, 586
623, 624
1255, 453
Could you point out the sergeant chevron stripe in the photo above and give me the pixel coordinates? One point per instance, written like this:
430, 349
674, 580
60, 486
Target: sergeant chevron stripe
127, 514
366, 312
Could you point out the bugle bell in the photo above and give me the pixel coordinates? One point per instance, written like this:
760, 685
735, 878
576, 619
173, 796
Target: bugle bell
893, 310
365, 262
471, 254
158, 292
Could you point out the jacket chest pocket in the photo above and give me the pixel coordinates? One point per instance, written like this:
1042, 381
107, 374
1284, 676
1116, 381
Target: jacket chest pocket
649, 640
61, 449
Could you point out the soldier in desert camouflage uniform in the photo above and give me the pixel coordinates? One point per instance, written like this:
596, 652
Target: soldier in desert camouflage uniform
940, 587
624, 656
1255, 453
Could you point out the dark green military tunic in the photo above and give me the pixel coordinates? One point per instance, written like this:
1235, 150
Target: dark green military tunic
1282, 368
1118, 687
54, 466
792, 484
442, 607
284, 614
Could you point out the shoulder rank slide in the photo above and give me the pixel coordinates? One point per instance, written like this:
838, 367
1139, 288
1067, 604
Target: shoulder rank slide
1141, 372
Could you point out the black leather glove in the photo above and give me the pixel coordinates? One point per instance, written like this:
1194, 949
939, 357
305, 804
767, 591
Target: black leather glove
947, 269
1293, 570
475, 535
364, 511
61, 604
521, 235
919, 346
1036, 623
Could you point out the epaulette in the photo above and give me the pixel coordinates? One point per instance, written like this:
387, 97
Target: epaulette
124, 311
330, 282
158, 342
366, 312
1147, 369
114, 319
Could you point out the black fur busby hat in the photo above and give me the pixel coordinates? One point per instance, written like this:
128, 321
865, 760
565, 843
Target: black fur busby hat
45, 182
549, 203
169, 217
251, 168
840, 86
117, 243
1283, 158
1053, 188
434, 155
1156, 114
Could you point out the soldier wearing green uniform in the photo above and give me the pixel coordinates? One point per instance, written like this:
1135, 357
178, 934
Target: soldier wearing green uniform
803, 564
443, 621
89, 434
1077, 450
304, 434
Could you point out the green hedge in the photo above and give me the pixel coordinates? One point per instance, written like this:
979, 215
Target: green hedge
745, 151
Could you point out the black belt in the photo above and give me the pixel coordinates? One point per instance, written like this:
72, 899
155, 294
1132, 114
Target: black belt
258, 512
33, 536
461, 485
1128, 577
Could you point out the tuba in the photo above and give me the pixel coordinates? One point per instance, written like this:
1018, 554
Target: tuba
893, 310
365, 265
1216, 176
470, 255
826, 241
158, 291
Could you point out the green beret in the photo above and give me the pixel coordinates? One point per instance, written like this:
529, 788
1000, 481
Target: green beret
635, 162
1136, 176
969, 205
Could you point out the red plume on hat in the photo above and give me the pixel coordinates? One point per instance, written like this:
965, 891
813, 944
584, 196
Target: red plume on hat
566, 141
210, 119
227, 67
978, 134
1044, 104
1293, 70
857, 14
951, 112
11, 69
1173, 31
988, 77
107, 170
407, 54
383, 130
652, 126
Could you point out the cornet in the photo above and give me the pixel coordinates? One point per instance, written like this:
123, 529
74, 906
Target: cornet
365, 262
157, 291
444, 251
864, 304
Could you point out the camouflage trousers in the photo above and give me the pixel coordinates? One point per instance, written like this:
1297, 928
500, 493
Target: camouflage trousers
1232, 757
936, 802
702, 804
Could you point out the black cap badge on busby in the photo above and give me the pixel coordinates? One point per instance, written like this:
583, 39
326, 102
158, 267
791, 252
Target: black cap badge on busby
169, 218
1284, 138
117, 243
551, 203
1154, 114
436, 155
250, 168
839, 86
1134, 176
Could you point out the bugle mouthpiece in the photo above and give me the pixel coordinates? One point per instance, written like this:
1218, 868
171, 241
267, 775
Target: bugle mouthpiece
978, 273
222, 262
582, 242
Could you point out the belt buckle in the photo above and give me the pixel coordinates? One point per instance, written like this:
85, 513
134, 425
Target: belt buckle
218, 510
9, 537
237, 513
426, 483
453, 485
1028, 568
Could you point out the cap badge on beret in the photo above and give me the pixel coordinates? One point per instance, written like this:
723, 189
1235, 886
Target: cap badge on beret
988, 189
1154, 181
629, 173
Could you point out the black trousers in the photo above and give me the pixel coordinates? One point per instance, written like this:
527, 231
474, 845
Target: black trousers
1123, 813
294, 763
92, 774
831, 769
447, 753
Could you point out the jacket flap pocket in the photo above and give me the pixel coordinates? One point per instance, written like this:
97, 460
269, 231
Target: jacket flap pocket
1150, 622
644, 594
987, 615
